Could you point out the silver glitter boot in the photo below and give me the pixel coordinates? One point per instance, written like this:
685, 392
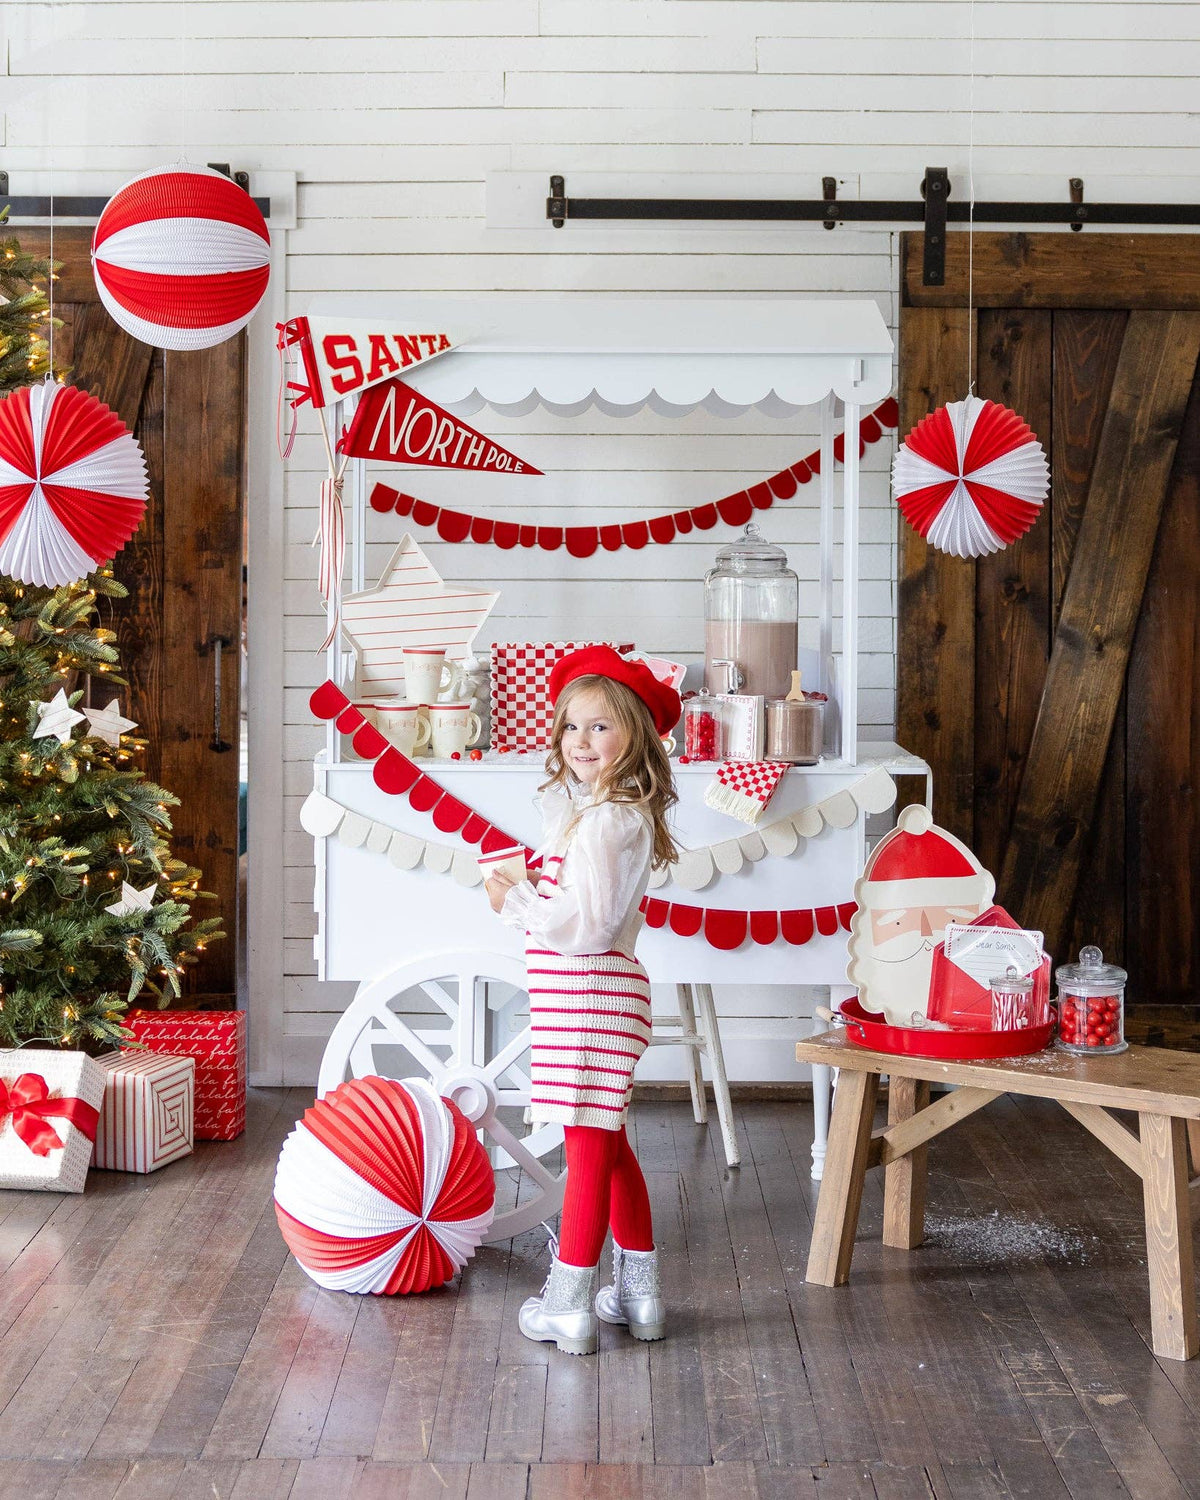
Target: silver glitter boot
563, 1314
635, 1297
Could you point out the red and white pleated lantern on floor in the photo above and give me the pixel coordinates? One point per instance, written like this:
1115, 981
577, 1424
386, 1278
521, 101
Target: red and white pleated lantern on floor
73, 484
971, 477
383, 1187
181, 257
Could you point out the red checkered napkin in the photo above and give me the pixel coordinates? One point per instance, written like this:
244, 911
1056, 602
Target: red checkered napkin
521, 711
744, 787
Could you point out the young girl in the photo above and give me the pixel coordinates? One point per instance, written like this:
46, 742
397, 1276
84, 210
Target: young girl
605, 807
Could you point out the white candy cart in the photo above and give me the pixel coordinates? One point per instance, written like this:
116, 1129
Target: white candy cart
440, 978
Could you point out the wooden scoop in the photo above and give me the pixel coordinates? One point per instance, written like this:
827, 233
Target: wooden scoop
795, 692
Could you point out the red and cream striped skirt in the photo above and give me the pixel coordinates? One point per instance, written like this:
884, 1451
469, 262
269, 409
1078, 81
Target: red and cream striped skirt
590, 1019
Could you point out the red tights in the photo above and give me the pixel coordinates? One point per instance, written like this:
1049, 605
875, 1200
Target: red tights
605, 1187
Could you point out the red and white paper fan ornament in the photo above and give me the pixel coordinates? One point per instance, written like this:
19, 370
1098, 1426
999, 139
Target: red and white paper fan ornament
72, 484
971, 477
383, 1187
181, 257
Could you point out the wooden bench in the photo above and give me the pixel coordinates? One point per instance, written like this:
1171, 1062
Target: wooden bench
1162, 1087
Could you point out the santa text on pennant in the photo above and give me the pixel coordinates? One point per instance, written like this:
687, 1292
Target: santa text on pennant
344, 355
395, 424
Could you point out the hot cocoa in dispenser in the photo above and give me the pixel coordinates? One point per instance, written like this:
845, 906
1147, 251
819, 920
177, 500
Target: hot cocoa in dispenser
751, 602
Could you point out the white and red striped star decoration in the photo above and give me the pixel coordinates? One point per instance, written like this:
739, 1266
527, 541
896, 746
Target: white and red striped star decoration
410, 606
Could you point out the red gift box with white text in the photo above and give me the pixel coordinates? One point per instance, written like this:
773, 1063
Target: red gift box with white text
217, 1040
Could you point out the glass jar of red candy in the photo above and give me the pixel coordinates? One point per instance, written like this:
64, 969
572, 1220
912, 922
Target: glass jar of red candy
1091, 1005
702, 728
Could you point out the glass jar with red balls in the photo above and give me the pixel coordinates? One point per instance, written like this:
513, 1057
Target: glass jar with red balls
702, 738
1091, 1005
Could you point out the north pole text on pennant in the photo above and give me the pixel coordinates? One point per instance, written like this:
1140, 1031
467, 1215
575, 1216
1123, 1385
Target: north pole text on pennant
397, 425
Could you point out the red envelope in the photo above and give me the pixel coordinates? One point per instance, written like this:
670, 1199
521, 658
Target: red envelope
956, 999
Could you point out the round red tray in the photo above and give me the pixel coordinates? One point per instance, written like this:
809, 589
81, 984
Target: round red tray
869, 1029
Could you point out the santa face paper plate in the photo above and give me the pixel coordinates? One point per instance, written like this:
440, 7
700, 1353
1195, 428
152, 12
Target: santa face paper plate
917, 880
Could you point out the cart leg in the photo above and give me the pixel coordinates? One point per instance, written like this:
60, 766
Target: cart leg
841, 1190
822, 1086
716, 1061
687, 1015
1173, 1327
904, 1180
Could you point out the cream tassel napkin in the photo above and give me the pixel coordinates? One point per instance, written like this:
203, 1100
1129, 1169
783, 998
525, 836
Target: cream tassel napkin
744, 787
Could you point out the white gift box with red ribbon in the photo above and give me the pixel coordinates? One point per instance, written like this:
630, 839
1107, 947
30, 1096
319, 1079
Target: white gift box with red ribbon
148, 1115
49, 1110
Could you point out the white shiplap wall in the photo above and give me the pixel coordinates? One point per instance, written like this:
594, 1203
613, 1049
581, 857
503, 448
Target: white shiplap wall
396, 114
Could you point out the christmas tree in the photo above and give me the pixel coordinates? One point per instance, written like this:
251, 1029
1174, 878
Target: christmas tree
94, 911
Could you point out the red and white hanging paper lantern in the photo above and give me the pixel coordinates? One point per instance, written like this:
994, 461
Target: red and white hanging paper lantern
72, 484
181, 257
383, 1187
971, 477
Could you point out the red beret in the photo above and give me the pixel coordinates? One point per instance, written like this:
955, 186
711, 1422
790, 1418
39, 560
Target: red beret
602, 661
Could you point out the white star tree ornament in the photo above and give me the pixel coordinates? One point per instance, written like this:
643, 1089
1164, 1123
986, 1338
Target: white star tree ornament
132, 900
410, 606
56, 718
107, 724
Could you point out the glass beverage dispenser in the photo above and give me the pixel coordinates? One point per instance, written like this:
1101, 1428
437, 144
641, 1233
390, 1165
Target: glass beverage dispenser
751, 605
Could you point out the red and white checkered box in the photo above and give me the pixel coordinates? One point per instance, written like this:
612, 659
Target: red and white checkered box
521, 710
217, 1041
147, 1117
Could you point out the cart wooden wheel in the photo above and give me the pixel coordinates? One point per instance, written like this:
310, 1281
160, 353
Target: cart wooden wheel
462, 1059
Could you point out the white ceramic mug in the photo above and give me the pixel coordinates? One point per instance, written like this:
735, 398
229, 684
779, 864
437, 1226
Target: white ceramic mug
401, 724
427, 674
453, 726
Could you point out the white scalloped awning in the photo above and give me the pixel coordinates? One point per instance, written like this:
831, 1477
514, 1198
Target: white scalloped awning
622, 354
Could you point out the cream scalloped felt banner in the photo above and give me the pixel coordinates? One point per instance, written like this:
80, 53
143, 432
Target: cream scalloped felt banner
322, 817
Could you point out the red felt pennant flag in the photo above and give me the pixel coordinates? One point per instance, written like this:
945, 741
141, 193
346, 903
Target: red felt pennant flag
343, 355
395, 424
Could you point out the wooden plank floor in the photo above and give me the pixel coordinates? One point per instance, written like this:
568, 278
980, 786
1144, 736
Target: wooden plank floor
157, 1341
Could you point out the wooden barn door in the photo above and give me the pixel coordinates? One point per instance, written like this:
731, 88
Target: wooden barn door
183, 570
1055, 686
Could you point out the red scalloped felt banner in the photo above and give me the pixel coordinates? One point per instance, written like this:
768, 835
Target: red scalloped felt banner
727, 929
399, 776
395, 774
582, 541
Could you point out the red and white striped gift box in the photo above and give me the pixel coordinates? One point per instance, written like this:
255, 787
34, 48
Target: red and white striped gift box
521, 710
147, 1116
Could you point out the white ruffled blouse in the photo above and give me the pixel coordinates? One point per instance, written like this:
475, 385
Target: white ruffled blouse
601, 880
